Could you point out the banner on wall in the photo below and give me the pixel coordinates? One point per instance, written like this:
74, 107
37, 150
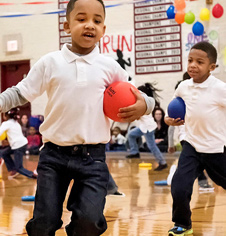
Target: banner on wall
120, 46
63, 36
157, 38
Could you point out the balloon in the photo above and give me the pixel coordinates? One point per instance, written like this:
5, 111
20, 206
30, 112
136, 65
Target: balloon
224, 52
170, 12
213, 35
179, 17
198, 29
218, 10
204, 14
189, 17
179, 4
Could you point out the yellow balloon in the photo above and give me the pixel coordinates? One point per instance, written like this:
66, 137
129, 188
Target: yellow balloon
204, 14
224, 51
3, 136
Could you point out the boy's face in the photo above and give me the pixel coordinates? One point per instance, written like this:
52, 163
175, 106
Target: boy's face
86, 25
199, 65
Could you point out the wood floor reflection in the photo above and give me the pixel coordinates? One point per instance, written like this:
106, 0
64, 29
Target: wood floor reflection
144, 211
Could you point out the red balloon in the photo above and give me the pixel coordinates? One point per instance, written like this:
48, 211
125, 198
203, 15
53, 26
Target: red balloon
116, 96
217, 11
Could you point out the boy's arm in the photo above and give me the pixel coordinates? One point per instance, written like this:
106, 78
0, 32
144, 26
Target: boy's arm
10, 98
143, 106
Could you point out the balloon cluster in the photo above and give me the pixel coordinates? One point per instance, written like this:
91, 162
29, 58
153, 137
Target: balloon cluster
177, 12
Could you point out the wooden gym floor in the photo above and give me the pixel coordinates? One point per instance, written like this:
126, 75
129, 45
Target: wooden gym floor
144, 211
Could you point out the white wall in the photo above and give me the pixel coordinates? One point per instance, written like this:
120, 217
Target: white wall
40, 35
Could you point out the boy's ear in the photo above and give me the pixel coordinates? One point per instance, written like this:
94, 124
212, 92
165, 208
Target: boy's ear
213, 66
67, 27
104, 29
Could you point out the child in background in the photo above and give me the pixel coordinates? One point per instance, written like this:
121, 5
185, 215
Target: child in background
33, 142
117, 140
146, 126
205, 129
17, 143
75, 128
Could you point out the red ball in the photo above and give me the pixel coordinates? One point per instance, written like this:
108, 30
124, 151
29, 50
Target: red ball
116, 96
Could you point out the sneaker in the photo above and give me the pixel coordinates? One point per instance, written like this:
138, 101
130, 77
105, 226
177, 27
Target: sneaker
117, 194
12, 174
205, 186
137, 155
35, 174
161, 167
179, 231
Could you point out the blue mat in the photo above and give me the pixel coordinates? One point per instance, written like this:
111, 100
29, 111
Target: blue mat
161, 182
28, 198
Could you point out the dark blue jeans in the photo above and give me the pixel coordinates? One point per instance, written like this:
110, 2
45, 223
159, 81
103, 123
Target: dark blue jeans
191, 164
16, 163
85, 164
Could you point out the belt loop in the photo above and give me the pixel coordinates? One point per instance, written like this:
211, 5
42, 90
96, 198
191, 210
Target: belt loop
84, 150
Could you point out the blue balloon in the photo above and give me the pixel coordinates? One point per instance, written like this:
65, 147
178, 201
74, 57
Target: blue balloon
198, 29
177, 108
170, 12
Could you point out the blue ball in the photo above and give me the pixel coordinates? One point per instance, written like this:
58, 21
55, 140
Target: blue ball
177, 108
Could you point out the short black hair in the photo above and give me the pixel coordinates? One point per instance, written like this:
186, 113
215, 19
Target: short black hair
208, 48
71, 3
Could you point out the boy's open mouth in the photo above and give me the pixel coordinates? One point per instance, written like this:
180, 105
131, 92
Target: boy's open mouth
89, 35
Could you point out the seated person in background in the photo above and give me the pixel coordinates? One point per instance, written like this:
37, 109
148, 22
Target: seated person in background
161, 132
24, 124
36, 121
34, 142
117, 140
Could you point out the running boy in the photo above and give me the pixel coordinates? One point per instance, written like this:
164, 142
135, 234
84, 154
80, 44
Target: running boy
204, 147
75, 79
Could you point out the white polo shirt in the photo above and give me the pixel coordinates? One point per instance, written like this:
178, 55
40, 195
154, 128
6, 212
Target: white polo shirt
205, 119
75, 86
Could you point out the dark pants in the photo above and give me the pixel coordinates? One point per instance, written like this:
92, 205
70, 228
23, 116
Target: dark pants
85, 164
190, 165
112, 186
202, 176
16, 163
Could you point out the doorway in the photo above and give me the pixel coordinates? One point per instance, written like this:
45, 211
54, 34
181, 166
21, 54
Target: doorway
11, 74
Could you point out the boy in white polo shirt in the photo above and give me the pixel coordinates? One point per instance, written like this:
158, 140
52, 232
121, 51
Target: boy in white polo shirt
75, 79
204, 147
